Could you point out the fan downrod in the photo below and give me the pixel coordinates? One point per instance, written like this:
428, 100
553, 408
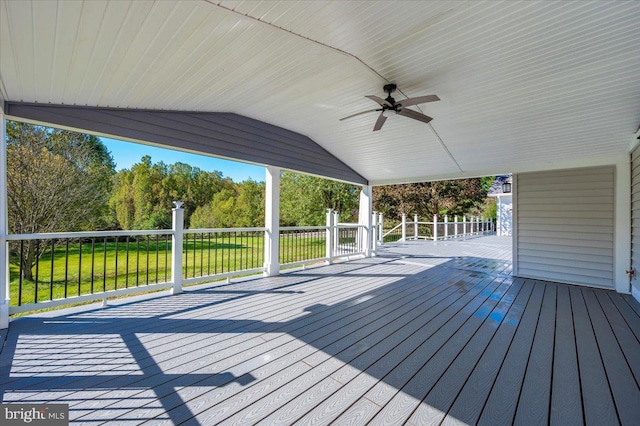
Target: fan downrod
389, 89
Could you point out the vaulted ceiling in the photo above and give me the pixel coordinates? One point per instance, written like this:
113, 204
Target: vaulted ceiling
523, 85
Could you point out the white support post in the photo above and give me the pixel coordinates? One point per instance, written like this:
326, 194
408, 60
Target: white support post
464, 225
374, 233
455, 226
380, 228
446, 226
272, 222
435, 227
336, 230
404, 228
415, 226
176, 247
329, 237
4, 228
364, 218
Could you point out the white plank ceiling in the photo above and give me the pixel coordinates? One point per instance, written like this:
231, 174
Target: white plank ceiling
523, 84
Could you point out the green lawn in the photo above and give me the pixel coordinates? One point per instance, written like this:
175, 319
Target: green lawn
95, 266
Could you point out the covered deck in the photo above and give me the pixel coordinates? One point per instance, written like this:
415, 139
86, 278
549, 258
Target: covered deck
423, 333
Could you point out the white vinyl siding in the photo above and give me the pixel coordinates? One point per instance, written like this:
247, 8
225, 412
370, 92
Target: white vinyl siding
635, 216
566, 226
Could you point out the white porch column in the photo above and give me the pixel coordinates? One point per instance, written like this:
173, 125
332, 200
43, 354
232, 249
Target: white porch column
272, 222
4, 228
622, 225
381, 228
435, 227
364, 217
446, 226
336, 231
374, 233
455, 225
415, 227
176, 247
404, 227
329, 238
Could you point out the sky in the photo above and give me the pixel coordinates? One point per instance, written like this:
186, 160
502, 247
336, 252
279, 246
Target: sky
126, 154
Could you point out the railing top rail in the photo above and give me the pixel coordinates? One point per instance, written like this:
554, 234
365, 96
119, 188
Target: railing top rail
59, 235
348, 225
304, 228
211, 230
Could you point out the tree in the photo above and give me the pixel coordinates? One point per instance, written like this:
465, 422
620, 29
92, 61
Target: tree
57, 180
143, 195
448, 197
219, 213
250, 206
239, 207
304, 199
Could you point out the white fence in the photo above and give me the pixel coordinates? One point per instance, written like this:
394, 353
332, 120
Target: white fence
435, 230
74, 267
77, 267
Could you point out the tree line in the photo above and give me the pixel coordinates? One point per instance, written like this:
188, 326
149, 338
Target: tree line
59, 180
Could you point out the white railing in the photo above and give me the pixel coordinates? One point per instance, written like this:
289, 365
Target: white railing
210, 254
350, 240
302, 245
74, 267
437, 229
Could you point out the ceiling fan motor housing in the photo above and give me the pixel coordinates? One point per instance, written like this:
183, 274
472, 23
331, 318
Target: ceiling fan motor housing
389, 88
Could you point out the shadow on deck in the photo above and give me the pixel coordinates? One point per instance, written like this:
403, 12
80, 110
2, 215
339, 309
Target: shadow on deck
424, 333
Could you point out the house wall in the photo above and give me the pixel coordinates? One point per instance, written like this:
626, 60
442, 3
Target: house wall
565, 226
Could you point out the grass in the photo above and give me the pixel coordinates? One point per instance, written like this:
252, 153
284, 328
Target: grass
96, 265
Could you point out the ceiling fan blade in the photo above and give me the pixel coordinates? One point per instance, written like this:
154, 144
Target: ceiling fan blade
360, 113
418, 100
380, 101
415, 115
379, 122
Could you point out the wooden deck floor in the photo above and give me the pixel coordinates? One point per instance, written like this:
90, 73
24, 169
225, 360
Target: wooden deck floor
422, 334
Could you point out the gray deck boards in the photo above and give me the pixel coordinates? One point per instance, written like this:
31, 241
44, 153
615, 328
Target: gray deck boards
425, 333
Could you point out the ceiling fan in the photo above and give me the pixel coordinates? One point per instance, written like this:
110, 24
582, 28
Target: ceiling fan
389, 107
